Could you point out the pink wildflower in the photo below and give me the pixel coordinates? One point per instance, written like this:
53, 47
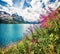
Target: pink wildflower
51, 15
44, 20
50, 9
43, 24
30, 29
56, 11
43, 16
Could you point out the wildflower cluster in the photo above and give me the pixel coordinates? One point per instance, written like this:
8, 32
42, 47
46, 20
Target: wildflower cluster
43, 40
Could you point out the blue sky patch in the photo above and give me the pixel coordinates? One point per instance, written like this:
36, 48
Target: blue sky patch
52, 1
3, 3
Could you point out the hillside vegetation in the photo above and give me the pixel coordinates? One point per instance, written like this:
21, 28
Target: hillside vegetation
43, 40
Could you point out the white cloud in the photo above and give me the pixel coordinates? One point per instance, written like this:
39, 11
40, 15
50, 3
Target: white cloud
31, 14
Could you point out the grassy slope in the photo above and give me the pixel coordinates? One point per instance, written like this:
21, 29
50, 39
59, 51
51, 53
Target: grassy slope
43, 41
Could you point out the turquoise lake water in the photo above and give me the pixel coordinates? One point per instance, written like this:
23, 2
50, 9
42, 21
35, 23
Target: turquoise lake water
11, 33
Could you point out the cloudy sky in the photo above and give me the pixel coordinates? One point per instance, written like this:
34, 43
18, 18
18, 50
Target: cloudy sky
28, 9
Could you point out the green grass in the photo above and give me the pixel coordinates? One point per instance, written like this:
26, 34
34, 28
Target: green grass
44, 40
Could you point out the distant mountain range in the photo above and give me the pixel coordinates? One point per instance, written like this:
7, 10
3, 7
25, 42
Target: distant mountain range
7, 18
5, 15
13, 19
